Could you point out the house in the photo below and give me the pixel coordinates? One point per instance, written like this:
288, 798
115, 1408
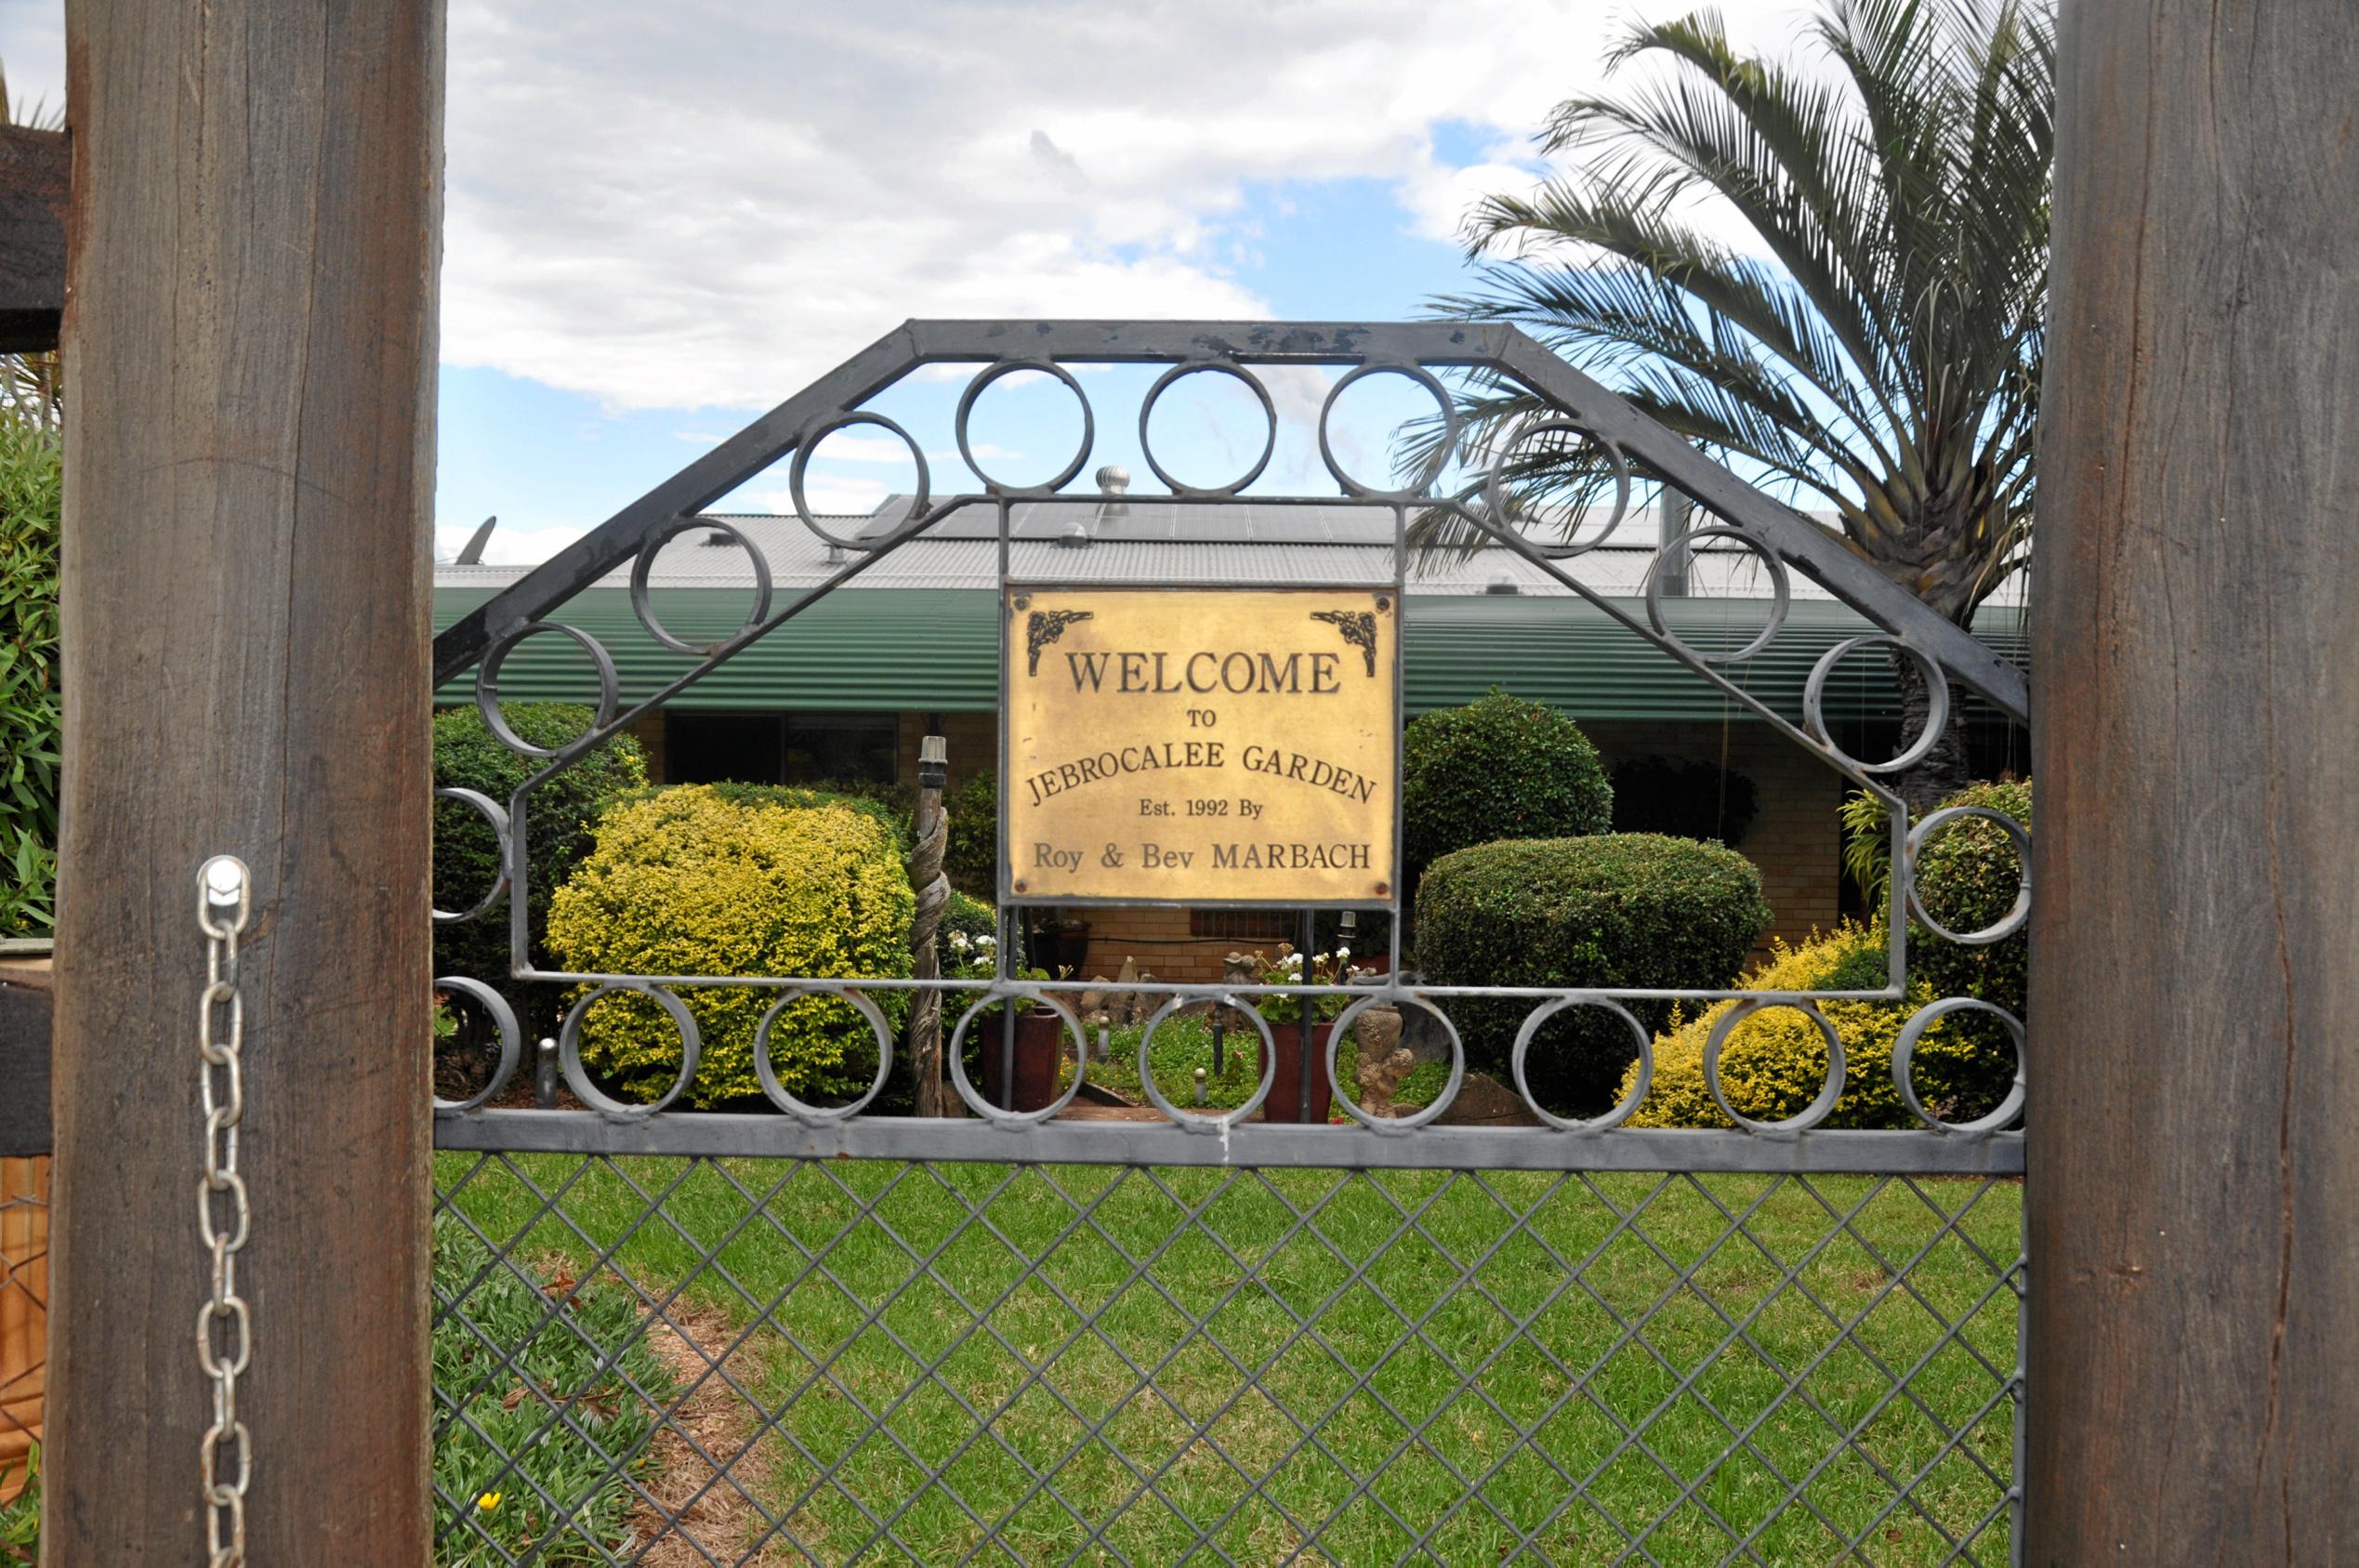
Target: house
910, 647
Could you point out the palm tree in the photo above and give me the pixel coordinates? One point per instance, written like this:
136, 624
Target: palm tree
1874, 349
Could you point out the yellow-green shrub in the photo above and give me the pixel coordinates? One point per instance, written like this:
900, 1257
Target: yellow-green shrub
689, 882
1775, 1063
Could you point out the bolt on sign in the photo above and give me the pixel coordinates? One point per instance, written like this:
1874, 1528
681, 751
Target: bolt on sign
1215, 746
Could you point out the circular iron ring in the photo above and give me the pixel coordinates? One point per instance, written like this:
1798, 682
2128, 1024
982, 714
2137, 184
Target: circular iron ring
487, 682
992, 372
1335, 1054
646, 562
1936, 715
504, 1019
1441, 458
568, 1051
767, 1073
1494, 483
1904, 1049
1812, 1115
2008, 924
1008, 990
808, 442
491, 812
1781, 591
1195, 1121
1629, 1102
1218, 368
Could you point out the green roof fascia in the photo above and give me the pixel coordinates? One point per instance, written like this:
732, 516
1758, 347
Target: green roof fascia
906, 650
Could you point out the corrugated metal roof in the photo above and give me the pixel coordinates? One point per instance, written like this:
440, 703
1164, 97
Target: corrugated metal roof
936, 648
798, 559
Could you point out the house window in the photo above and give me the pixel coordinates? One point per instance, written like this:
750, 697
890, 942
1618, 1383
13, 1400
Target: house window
842, 747
722, 747
792, 748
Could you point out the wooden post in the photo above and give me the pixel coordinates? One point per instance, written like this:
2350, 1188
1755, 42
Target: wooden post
2194, 1124
250, 338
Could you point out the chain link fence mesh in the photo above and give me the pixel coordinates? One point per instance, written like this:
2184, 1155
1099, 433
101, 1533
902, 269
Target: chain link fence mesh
723, 1361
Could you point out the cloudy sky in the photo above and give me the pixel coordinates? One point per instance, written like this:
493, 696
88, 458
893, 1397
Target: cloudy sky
664, 218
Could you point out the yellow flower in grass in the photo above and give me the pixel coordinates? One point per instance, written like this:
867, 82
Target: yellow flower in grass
487, 1502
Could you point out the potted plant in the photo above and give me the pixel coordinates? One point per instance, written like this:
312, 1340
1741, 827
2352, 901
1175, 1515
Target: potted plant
1040, 1032
1288, 1035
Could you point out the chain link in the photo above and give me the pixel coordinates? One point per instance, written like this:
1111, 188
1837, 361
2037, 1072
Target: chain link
224, 1326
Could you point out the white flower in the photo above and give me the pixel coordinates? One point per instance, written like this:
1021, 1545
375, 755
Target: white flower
986, 942
958, 940
1342, 954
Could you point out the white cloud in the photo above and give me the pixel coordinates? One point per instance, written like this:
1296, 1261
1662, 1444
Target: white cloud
709, 204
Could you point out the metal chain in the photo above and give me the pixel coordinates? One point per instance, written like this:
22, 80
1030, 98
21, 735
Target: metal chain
224, 1329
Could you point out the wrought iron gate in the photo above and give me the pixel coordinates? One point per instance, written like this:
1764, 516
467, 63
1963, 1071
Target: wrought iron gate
824, 1334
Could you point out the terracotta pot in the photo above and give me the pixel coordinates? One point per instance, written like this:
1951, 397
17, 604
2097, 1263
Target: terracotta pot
1040, 1037
1285, 1103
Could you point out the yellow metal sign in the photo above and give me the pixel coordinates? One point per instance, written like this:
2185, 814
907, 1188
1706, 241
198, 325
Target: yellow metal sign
1216, 745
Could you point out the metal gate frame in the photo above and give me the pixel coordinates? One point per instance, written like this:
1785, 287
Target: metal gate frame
1783, 540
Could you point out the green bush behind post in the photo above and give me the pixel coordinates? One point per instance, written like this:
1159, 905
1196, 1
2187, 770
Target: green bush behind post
563, 810
30, 709
1498, 768
971, 859
1775, 1063
1621, 910
702, 880
1968, 878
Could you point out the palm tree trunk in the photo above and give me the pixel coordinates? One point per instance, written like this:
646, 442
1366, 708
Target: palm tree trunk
1944, 771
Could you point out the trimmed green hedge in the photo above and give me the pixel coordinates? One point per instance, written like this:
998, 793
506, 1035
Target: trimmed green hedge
466, 854
1498, 767
1620, 910
702, 880
29, 710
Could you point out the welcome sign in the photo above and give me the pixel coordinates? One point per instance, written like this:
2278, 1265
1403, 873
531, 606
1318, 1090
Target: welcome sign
1215, 746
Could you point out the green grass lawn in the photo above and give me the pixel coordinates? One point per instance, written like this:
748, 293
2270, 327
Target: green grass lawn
1132, 1336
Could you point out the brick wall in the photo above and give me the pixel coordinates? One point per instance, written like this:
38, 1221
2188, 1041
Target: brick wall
1795, 838
971, 739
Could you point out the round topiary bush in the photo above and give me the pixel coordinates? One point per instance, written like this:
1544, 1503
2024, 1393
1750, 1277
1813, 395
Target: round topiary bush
689, 882
1775, 1063
1621, 910
1498, 767
563, 810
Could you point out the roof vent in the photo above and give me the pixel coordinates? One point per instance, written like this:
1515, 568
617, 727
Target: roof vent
1113, 480
1501, 583
1074, 537
716, 537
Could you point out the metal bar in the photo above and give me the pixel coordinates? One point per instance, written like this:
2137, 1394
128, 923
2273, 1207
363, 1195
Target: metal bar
1812, 550
693, 488
736, 1135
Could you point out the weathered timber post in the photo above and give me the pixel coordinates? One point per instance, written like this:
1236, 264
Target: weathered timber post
2194, 1124
250, 337
932, 1096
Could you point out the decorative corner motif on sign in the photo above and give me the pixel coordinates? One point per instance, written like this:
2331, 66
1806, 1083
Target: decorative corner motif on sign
1044, 627
1358, 629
